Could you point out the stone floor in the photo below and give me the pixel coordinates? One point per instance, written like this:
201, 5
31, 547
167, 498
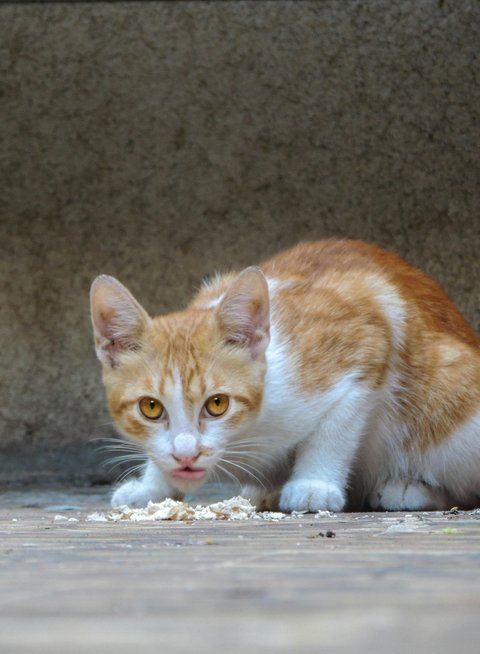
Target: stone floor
378, 582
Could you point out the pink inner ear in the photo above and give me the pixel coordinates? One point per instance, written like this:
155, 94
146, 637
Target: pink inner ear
244, 312
117, 317
105, 319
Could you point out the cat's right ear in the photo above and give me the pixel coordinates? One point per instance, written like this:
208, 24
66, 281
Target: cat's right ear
118, 319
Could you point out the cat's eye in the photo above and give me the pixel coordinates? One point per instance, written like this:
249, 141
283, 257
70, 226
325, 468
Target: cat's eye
216, 405
151, 408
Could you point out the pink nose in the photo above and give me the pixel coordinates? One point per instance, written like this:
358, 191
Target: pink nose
185, 449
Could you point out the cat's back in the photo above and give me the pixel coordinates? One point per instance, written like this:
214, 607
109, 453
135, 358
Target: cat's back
357, 274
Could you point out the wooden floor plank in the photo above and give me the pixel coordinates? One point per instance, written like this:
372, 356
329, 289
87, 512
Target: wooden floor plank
384, 581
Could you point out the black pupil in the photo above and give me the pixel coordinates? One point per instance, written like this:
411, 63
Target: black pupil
152, 404
217, 400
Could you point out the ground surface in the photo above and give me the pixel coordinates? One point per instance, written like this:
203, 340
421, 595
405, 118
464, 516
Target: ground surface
380, 582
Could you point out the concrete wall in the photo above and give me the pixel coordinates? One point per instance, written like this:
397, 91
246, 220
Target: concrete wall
159, 142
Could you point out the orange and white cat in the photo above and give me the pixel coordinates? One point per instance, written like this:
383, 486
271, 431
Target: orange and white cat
333, 372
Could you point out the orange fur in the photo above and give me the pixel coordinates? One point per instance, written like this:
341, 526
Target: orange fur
347, 329
339, 308
187, 341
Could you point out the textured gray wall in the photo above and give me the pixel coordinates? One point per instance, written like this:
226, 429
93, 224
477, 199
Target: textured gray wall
159, 142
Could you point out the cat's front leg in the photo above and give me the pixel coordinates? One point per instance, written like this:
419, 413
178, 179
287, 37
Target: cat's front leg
323, 460
152, 486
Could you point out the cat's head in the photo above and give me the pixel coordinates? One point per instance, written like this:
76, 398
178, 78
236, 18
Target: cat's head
186, 385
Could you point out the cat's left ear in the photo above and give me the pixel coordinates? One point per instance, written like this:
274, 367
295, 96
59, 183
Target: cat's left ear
244, 312
119, 321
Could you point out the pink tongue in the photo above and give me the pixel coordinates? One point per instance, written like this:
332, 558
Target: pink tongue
189, 473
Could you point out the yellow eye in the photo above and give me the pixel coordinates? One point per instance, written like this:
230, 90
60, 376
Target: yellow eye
151, 408
217, 405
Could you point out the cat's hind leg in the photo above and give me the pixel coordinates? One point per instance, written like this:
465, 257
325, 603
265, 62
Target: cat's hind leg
404, 495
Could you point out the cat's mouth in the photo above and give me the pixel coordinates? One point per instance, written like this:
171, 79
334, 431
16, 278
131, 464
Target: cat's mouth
189, 473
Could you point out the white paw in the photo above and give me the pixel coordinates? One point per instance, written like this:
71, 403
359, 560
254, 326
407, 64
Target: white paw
407, 496
311, 495
135, 493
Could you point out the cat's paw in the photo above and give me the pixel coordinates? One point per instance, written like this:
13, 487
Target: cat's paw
135, 493
311, 495
398, 495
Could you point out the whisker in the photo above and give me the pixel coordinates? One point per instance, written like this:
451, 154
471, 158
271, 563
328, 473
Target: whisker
249, 453
263, 443
112, 439
117, 460
229, 474
118, 443
216, 476
249, 465
129, 472
252, 462
129, 456
119, 448
247, 471
112, 444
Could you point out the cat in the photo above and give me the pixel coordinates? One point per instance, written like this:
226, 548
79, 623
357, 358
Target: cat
333, 376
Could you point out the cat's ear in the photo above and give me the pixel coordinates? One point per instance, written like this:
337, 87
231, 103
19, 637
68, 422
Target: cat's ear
244, 312
118, 319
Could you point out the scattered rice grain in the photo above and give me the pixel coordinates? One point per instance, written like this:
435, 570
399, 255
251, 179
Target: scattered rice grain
235, 508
